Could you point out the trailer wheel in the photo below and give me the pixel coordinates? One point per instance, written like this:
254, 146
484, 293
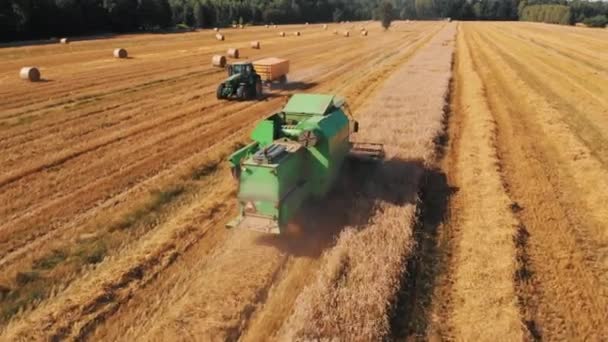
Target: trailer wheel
259, 90
283, 79
240, 92
220, 91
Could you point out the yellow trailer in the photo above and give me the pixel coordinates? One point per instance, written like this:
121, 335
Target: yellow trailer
272, 69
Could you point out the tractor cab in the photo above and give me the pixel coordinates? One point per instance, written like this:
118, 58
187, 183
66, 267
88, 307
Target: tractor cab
244, 69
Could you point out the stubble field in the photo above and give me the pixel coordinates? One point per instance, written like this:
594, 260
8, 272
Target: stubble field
487, 219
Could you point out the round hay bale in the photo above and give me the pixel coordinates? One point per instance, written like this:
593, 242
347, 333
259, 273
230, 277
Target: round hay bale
335, 31
346, 34
282, 34
297, 33
234, 26
64, 41
233, 53
241, 26
364, 33
275, 26
216, 29
120, 53
218, 61
266, 26
307, 23
219, 36
255, 44
31, 74
325, 26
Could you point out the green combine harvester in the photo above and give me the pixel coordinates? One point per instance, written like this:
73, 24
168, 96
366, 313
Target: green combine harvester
296, 155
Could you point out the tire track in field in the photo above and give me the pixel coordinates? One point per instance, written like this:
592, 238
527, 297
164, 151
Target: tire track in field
475, 296
562, 293
557, 46
562, 68
585, 162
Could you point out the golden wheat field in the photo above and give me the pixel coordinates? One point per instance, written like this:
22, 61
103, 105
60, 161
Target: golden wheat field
487, 219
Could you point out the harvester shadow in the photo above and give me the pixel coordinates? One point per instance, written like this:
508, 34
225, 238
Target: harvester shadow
291, 86
353, 201
429, 259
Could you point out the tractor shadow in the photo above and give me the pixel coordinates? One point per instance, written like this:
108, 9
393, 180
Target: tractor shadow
354, 200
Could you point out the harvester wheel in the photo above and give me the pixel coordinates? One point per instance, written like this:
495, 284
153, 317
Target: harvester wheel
240, 92
220, 91
236, 172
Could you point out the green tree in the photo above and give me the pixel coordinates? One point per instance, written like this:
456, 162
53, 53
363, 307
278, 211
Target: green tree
8, 20
386, 14
425, 9
146, 14
122, 14
596, 21
337, 15
199, 14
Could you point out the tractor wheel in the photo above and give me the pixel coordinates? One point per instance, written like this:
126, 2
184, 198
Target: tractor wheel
240, 92
220, 91
259, 90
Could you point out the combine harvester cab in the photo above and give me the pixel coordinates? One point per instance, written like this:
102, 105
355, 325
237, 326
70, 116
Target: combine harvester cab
296, 155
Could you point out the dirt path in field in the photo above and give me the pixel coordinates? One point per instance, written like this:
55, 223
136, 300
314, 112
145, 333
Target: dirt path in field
166, 267
524, 245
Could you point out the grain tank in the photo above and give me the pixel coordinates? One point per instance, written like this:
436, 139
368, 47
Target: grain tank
296, 155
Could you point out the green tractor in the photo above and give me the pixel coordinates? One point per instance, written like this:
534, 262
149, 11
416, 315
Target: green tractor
243, 83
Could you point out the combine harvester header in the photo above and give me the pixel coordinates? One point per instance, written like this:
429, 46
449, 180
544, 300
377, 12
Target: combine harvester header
296, 155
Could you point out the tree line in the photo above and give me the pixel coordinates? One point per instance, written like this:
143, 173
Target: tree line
30, 19
591, 13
